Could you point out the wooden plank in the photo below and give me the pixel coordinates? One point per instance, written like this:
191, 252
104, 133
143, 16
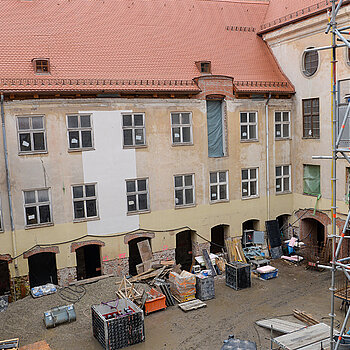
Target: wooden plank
281, 326
145, 250
90, 280
192, 305
304, 337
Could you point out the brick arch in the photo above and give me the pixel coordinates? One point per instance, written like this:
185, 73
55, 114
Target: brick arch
319, 216
130, 236
323, 218
38, 249
5, 257
74, 246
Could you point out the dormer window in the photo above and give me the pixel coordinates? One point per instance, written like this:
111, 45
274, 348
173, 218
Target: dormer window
41, 66
204, 67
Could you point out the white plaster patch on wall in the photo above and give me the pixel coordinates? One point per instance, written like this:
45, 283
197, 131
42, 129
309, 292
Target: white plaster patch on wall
109, 165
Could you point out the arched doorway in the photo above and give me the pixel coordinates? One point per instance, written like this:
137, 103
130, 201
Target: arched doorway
4, 277
88, 261
218, 234
134, 254
247, 231
312, 232
283, 223
42, 269
183, 250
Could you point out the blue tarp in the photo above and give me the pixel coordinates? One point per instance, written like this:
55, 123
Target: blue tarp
215, 132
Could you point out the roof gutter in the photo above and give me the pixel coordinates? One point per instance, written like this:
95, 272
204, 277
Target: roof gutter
8, 182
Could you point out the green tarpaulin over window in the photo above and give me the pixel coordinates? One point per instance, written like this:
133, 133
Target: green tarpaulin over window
215, 135
312, 180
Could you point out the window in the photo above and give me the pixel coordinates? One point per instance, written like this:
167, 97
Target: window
218, 186
137, 195
282, 125
249, 183
205, 67
184, 190
181, 128
216, 128
134, 129
249, 126
84, 202
310, 62
31, 134
347, 185
347, 54
283, 183
79, 132
312, 180
41, 66
311, 118
37, 207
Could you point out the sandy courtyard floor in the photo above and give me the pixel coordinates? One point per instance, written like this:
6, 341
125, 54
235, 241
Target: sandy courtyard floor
231, 312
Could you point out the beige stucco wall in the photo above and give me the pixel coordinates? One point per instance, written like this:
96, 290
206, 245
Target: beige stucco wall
288, 45
159, 161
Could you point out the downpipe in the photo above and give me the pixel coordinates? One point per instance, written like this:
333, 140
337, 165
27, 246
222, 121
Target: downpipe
8, 182
267, 156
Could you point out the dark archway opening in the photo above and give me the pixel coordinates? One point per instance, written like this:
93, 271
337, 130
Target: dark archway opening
42, 269
4, 277
313, 234
134, 254
183, 250
248, 227
283, 224
88, 261
217, 238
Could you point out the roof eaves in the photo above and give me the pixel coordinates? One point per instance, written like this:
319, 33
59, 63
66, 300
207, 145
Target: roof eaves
297, 16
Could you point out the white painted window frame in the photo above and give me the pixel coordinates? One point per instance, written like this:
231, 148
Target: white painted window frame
250, 180
217, 185
36, 204
248, 124
79, 129
181, 126
133, 129
137, 193
183, 188
31, 132
282, 123
84, 199
282, 177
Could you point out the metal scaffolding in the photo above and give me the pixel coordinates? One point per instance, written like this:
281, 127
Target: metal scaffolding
340, 116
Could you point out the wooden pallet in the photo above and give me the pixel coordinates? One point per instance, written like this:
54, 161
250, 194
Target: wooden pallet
192, 305
10, 344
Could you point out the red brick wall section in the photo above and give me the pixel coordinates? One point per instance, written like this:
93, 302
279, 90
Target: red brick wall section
38, 249
215, 85
130, 236
323, 218
77, 245
6, 257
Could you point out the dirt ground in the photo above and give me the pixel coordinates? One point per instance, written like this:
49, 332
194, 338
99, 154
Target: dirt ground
231, 312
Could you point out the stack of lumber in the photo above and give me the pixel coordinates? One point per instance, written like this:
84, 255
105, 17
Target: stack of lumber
306, 318
183, 285
234, 249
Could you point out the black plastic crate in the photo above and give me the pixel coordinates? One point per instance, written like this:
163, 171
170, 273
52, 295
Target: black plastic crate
205, 289
238, 275
118, 324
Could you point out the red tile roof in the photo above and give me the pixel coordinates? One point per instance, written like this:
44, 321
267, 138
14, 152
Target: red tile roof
282, 12
141, 45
